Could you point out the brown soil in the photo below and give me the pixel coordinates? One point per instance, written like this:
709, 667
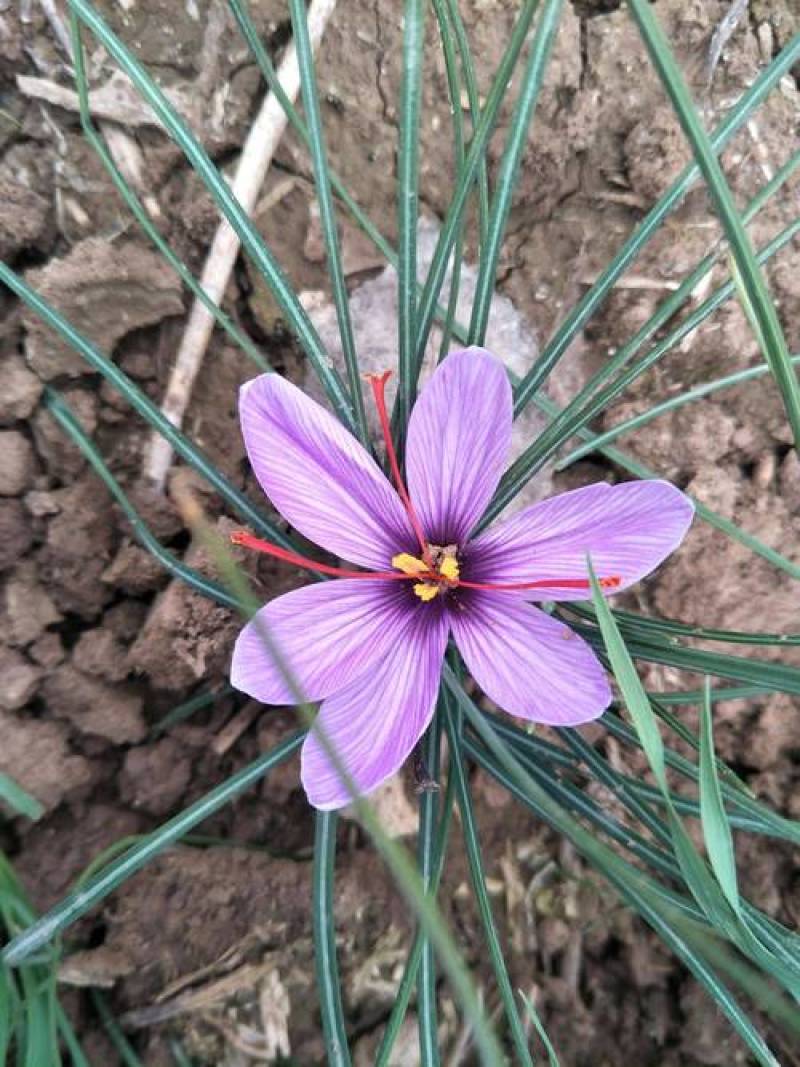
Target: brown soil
98, 643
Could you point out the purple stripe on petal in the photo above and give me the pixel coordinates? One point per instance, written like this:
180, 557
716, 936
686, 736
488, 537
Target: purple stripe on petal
375, 722
328, 633
319, 477
459, 436
627, 529
528, 663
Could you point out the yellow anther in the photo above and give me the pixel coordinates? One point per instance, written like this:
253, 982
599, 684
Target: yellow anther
448, 568
425, 591
409, 564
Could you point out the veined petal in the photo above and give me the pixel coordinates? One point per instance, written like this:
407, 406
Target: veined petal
319, 477
327, 634
459, 435
528, 663
375, 722
627, 529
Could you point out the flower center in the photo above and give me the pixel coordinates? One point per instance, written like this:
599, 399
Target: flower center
442, 575
436, 569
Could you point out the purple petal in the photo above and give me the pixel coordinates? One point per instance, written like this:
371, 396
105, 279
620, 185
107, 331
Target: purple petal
627, 529
528, 663
319, 477
459, 435
374, 723
328, 634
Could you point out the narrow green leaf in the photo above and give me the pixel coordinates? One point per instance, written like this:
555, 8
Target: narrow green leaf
141, 403
18, 799
538, 1025
427, 1012
64, 416
407, 203
716, 828
478, 879
327, 213
324, 929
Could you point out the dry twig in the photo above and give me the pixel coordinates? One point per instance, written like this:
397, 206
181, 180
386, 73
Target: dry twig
261, 143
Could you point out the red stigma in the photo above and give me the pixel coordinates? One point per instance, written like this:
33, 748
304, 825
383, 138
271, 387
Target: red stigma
378, 384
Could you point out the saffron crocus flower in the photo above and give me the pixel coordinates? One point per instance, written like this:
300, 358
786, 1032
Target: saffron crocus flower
370, 643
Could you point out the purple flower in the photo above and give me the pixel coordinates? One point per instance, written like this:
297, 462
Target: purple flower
370, 644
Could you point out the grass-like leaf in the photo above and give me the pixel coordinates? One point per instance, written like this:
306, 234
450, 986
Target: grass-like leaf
327, 213
324, 929
19, 800
716, 827
408, 203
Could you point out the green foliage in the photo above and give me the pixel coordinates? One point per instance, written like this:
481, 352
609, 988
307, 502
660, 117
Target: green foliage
643, 848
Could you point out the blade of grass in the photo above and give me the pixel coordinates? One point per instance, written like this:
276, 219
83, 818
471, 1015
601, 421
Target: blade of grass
407, 203
427, 1012
411, 970
478, 879
476, 152
716, 827
443, 20
546, 27
769, 329
324, 929
697, 876
124, 1049
538, 1025
327, 213
19, 800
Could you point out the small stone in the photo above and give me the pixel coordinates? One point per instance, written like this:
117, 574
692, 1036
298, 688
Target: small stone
17, 463
99, 653
19, 679
21, 390
111, 712
16, 535
27, 606
47, 650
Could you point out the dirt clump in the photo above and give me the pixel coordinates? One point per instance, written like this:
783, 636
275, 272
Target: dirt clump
105, 290
38, 754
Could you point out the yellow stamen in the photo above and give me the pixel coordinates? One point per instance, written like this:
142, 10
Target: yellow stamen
425, 591
448, 568
409, 564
